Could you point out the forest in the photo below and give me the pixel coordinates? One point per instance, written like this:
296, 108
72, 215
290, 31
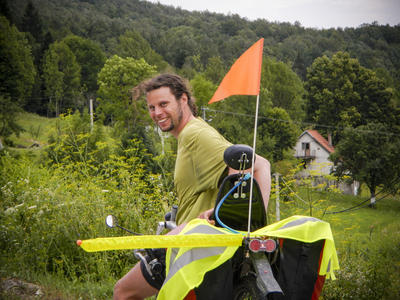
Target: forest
59, 55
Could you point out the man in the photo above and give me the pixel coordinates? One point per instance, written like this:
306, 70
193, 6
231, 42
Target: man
198, 169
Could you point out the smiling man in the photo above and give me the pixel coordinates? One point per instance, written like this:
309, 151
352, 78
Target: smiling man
199, 167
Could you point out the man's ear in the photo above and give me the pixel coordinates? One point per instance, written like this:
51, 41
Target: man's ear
184, 98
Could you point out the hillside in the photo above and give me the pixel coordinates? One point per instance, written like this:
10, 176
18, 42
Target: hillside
178, 35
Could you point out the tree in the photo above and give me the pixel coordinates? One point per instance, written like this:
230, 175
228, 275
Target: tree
116, 80
342, 93
234, 119
283, 88
17, 71
32, 23
370, 154
132, 44
5, 10
215, 69
61, 74
90, 58
8, 124
203, 89
179, 43
277, 133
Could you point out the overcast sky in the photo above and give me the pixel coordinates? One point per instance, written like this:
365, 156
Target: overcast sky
310, 13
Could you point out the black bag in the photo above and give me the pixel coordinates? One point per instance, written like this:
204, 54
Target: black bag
297, 268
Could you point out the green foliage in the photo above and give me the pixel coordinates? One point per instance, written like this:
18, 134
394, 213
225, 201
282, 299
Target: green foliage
203, 89
132, 44
370, 154
342, 93
370, 269
17, 71
73, 141
8, 114
367, 241
215, 69
36, 130
276, 132
283, 88
178, 34
62, 79
32, 23
45, 210
179, 43
91, 59
194, 42
304, 193
116, 80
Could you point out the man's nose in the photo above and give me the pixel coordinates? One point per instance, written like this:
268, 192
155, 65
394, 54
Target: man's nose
158, 110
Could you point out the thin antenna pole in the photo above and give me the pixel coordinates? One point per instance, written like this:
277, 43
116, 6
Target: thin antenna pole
91, 114
252, 165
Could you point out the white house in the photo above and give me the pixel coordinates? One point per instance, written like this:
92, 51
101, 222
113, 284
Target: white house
314, 149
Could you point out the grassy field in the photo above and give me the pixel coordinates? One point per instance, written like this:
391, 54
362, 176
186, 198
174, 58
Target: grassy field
356, 224
56, 206
37, 130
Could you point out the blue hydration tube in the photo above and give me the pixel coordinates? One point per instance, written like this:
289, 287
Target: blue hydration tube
246, 177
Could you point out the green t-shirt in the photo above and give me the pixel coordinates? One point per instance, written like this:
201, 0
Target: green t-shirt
198, 168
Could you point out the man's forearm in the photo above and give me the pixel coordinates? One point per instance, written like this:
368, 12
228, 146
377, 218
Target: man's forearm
262, 173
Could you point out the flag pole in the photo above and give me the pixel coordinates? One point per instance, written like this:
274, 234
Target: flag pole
252, 165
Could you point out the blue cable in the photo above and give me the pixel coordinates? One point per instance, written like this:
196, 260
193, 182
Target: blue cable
246, 177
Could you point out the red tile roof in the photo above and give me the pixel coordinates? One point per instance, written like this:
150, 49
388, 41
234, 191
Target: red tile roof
321, 140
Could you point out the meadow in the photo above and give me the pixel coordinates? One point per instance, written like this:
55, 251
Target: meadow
46, 206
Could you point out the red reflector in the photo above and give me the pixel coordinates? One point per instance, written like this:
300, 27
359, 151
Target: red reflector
255, 245
270, 245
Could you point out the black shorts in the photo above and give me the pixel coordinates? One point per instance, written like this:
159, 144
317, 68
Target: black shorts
156, 280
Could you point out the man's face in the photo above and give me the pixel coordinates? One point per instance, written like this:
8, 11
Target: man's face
164, 109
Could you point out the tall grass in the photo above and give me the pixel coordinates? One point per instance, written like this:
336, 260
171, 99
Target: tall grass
367, 240
45, 207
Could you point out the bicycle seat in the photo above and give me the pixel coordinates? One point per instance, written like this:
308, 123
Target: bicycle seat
234, 211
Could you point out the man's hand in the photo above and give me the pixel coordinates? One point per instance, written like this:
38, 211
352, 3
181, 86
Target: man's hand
206, 215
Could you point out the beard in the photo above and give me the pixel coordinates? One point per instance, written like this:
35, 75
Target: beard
172, 125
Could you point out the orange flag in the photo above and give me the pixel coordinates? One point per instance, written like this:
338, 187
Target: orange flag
244, 76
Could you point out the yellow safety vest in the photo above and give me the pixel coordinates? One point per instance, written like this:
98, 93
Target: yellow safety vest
186, 267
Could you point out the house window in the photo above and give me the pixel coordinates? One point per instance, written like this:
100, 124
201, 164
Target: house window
306, 148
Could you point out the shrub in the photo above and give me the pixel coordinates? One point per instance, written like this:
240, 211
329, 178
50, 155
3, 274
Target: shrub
369, 270
45, 210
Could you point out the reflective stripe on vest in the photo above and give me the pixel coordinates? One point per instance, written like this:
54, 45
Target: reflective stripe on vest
186, 267
299, 222
307, 230
194, 254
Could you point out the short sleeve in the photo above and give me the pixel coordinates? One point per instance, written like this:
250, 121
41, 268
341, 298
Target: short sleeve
209, 158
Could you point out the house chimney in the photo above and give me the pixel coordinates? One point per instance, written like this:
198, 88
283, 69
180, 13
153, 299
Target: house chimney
329, 139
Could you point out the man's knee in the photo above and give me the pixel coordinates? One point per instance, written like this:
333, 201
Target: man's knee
120, 292
133, 286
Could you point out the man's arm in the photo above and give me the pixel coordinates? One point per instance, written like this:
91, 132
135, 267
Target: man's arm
262, 173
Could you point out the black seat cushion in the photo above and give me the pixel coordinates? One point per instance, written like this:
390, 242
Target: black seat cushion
234, 211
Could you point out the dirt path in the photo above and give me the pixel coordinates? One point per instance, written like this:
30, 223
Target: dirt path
14, 288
